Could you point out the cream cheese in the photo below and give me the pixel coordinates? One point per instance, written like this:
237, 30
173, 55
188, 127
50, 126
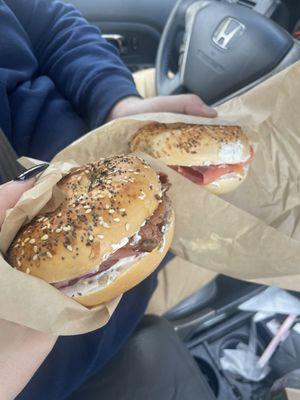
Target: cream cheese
121, 243
135, 239
115, 247
102, 279
164, 229
232, 153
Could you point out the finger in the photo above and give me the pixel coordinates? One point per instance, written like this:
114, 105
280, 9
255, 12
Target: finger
196, 106
10, 194
183, 104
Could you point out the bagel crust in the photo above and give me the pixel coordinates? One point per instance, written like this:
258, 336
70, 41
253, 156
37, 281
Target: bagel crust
192, 145
106, 203
225, 184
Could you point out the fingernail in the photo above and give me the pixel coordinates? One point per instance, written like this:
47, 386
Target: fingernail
32, 172
211, 111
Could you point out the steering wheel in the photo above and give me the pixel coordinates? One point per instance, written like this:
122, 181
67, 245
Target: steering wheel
226, 50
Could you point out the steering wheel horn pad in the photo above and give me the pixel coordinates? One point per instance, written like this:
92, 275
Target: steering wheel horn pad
226, 47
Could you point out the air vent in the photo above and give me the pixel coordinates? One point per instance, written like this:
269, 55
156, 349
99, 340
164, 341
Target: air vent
247, 3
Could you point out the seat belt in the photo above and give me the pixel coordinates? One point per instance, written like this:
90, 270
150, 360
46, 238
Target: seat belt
9, 167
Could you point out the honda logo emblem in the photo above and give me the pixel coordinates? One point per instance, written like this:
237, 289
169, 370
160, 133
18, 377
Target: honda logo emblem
228, 29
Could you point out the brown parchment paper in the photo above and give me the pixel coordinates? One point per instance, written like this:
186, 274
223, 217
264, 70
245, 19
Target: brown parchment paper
254, 232
178, 280
251, 234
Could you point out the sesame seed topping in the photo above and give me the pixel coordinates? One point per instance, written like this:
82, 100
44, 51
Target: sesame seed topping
19, 263
104, 213
142, 195
27, 270
32, 241
35, 257
26, 240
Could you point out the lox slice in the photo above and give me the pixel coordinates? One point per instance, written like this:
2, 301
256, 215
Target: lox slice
204, 175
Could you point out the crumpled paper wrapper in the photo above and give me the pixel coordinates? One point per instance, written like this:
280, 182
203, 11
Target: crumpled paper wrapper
251, 234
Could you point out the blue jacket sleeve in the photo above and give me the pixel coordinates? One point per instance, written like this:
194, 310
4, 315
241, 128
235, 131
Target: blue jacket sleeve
85, 68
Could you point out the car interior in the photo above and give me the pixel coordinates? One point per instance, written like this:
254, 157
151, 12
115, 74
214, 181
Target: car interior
185, 37
189, 38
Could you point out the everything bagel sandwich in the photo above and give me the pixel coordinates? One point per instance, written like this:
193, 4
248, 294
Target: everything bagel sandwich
214, 156
112, 231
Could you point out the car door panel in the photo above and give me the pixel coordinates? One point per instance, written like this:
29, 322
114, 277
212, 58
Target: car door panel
133, 26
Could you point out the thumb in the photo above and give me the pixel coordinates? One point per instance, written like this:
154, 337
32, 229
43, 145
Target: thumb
10, 193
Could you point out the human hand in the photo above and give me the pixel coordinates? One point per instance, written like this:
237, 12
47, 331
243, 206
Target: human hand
22, 350
189, 104
10, 193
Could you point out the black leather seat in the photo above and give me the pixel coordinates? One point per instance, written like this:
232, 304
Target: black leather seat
153, 365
